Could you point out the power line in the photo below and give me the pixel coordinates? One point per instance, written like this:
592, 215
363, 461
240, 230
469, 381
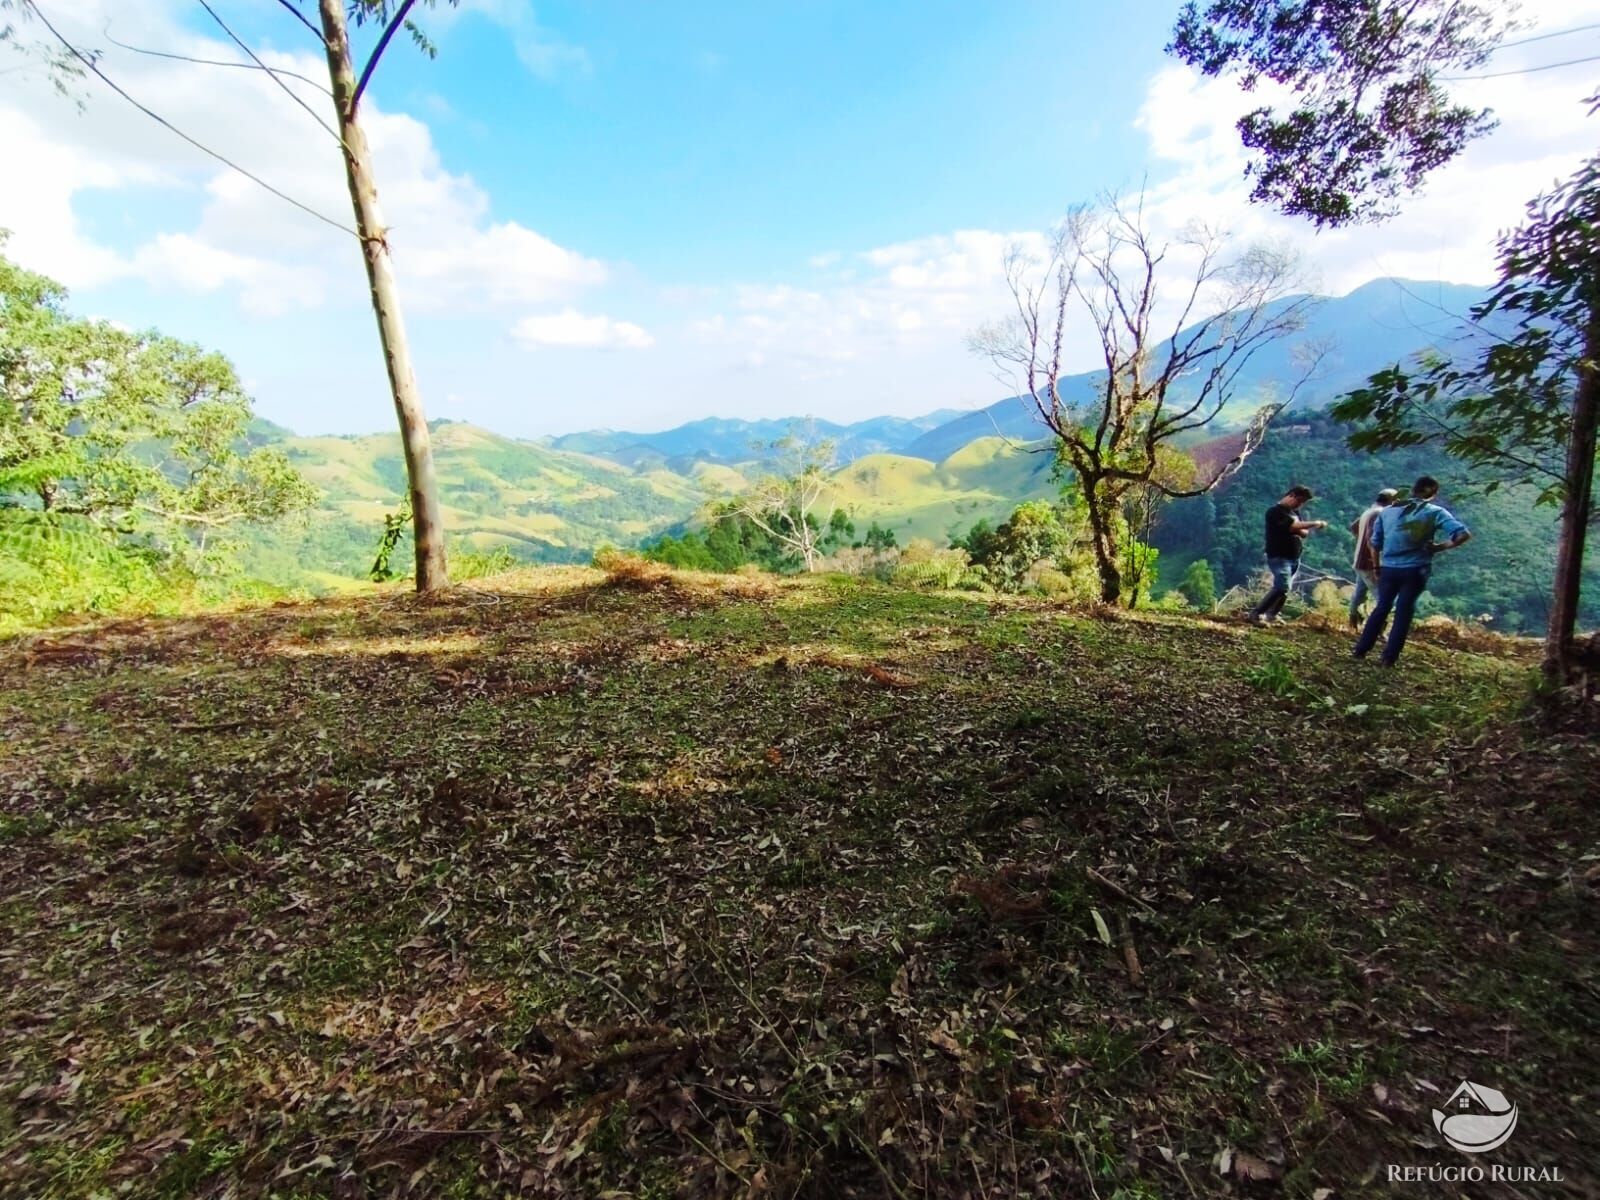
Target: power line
1544, 37
168, 125
287, 90
210, 62
1571, 62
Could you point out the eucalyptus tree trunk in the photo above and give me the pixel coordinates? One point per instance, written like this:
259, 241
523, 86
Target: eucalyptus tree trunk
1575, 515
427, 525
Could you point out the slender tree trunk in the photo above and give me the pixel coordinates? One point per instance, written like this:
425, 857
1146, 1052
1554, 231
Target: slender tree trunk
1575, 515
427, 526
1102, 531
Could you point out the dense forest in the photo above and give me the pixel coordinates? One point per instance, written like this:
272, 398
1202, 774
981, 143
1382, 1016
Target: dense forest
1504, 575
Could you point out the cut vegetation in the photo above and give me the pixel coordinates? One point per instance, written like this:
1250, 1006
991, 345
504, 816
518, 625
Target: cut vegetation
667, 885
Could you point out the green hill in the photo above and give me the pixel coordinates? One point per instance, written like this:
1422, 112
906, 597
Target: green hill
985, 479
539, 503
549, 505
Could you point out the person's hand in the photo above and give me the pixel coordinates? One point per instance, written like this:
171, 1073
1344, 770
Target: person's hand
1320, 524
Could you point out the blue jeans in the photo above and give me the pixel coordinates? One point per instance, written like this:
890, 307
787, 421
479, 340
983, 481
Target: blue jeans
1283, 573
1365, 581
1398, 589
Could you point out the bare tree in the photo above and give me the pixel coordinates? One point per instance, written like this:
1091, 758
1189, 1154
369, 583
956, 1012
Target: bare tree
789, 503
1156, 387
427, 522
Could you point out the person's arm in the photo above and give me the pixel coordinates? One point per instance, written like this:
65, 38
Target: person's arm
1355, 526
1302, 528
1455, 534
1375, 535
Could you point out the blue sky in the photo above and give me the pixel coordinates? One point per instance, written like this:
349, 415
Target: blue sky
630, 215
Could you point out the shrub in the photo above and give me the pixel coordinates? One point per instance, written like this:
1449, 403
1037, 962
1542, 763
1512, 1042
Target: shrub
627, 570
54, 567
1199, 585
922, 564
1329, 599
477, 564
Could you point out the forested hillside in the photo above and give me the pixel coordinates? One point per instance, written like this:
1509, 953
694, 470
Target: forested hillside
541, 504
1503, 574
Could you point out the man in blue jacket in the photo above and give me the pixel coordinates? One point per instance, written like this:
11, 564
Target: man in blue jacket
1407, 537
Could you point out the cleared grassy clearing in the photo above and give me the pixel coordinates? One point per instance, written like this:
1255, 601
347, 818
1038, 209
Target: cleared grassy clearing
731, 887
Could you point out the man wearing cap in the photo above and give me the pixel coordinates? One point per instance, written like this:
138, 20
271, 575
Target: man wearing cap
1366, 560
1407, 537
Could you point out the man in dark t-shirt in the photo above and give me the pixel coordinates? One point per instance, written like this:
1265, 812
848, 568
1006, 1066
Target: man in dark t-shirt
1286, 533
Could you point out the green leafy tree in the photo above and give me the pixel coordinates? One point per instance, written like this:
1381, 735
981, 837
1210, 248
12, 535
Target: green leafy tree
879, 538
790, 503
1523, 408
1036, 532
1199, 586
1371, 123
1369, 118
135, 438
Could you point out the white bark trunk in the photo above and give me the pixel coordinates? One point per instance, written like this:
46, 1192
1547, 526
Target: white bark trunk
427, 525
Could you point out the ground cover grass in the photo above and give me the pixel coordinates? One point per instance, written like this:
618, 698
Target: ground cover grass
670, 885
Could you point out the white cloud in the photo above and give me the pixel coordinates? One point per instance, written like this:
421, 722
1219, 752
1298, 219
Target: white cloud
892, 300
265, 288
572, 328
449, 251
912, 303
1446, 231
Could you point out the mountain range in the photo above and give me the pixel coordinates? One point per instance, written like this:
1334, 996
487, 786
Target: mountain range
558, 498
1380, 323
733, 440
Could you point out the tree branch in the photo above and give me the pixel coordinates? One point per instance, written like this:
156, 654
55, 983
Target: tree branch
377, 53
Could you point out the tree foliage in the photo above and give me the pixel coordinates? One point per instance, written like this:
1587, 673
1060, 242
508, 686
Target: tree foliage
790, 503
1199, 585
1368, 117
116, 443
63, 68
1505, 405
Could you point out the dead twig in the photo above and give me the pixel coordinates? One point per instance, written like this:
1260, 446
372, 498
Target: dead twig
1117, 889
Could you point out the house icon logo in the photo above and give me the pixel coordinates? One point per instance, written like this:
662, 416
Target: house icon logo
1476, 1118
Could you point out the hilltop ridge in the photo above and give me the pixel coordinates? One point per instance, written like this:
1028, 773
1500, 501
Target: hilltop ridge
704, 878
